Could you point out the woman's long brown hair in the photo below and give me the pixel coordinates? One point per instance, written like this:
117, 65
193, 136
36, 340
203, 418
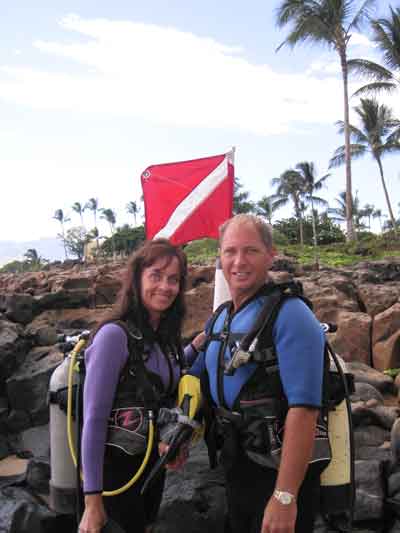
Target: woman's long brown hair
129, 305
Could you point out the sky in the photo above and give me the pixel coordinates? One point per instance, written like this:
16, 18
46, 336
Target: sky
92, 92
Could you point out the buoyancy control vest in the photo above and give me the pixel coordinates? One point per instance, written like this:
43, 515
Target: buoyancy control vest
139, 395
253, 422
138, 391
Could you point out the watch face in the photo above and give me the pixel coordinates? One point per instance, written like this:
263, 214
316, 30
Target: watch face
285, 498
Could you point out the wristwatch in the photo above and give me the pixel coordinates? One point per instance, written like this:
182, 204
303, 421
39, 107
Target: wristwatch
283, 497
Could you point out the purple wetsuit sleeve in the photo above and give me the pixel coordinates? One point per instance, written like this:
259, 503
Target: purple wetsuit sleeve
189, 355
104, 360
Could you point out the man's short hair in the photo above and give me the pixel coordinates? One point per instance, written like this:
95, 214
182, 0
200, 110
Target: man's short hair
264, 229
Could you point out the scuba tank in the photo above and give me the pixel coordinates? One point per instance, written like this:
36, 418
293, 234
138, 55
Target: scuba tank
63, 481
337, 479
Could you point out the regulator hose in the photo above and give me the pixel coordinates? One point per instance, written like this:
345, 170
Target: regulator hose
150, 440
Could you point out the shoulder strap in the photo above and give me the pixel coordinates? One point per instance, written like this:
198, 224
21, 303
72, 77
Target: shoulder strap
210, 326
267, 316
136, 364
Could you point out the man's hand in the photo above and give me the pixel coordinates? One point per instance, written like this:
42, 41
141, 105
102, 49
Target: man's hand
180, 459
279, 518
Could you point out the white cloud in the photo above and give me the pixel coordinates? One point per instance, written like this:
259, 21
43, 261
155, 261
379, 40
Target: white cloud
172, 77
359, 39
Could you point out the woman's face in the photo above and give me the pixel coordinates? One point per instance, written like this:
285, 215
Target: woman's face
160, 286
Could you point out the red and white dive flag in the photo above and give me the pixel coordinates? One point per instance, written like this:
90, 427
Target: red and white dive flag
188, 200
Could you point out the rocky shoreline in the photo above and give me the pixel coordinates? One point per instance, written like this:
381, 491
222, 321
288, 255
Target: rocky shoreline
35, 308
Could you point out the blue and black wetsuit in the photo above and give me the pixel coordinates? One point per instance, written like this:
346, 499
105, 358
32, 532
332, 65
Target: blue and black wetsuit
299, 343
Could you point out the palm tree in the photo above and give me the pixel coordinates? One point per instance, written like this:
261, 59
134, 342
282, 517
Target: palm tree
340, 212
290, 187
32, 256
93, 205
62, 219
386, 35
311, 184
367, 211
110, 217
264, 208
328, 22
378, 214
378, 135
79, 208
241, 201
133, 209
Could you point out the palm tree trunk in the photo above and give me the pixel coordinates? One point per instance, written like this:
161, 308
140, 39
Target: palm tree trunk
95, 225
63, 236
349, 206
378, 160
314, 226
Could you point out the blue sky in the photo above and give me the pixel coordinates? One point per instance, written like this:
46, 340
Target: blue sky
92, 92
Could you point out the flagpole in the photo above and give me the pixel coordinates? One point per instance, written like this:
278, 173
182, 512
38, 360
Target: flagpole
221, 289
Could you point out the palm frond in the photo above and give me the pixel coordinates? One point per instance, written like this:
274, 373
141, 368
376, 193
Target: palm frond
387, 37
370, 69
362, 16
357, 135
339, 158
376, 87
319, 201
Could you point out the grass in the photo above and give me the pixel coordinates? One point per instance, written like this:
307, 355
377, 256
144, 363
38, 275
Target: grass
366, 248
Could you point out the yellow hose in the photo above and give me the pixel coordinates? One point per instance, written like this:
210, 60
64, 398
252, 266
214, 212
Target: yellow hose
150, 439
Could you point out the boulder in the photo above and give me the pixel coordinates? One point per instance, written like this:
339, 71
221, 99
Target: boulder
199, 303
193, 498
395, 442
369, 501
330, 295
365, 374
64, 299
27, 389
364, 392
386, 338
380, 415
200, 274
13, 350
21, 512
67, 319
105, 289
378, 298
377, 272
370, 436
19, 308
38, 475
353, 338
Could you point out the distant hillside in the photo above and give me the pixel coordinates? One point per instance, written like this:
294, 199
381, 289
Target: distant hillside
49, 248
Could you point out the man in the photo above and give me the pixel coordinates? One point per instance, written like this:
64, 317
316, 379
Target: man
261, 498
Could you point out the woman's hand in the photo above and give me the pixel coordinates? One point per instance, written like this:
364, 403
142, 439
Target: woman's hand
94, 516
180, 459
199, 340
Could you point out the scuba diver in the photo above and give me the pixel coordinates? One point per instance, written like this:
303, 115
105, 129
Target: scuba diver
264, 392
133, 365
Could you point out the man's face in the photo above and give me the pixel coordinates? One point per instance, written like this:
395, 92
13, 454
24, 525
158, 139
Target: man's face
245, 260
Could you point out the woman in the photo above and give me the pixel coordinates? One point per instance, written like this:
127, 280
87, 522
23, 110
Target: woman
151, 305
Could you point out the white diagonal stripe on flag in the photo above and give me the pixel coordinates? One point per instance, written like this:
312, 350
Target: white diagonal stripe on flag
194, 199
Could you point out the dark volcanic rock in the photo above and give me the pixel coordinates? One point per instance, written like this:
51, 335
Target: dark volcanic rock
13, 350
194, 500
27, 389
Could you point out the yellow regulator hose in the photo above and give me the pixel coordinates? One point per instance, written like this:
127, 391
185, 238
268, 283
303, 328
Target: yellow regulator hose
150, 440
